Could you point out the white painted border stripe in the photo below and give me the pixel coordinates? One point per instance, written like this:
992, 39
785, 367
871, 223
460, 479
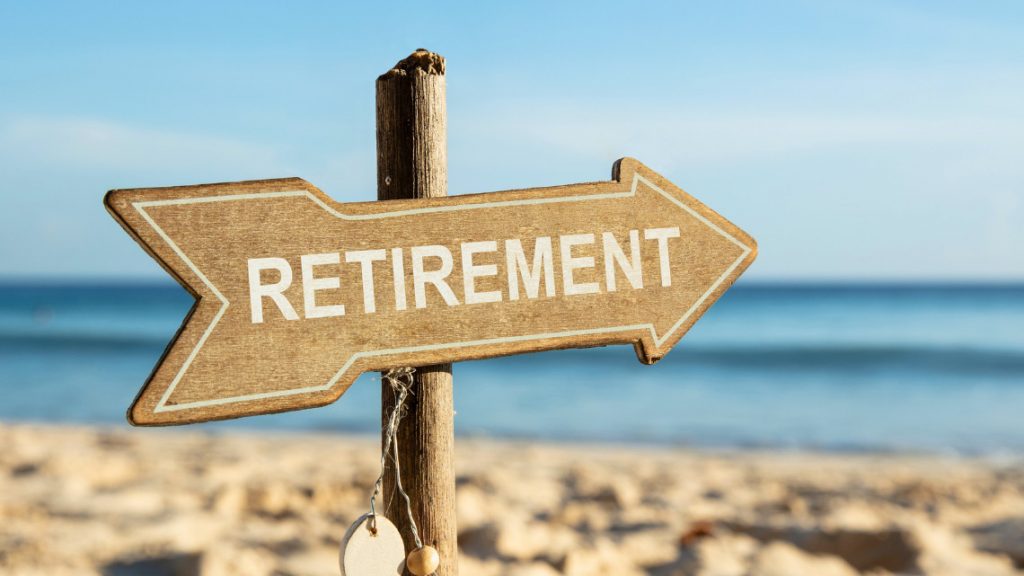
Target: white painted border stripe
163, 407
216, 318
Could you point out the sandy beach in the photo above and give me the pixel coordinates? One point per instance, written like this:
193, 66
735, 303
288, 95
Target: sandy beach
78, 500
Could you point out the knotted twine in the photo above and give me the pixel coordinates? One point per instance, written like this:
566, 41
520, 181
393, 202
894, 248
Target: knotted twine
401, 382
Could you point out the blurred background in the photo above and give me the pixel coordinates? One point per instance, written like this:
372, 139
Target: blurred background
872, 148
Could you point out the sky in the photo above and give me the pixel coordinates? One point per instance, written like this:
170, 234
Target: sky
855, 140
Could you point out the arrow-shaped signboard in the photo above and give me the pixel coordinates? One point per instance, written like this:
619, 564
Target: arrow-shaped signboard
297, 294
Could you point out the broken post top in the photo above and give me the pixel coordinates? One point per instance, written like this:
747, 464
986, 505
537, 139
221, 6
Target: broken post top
420, 62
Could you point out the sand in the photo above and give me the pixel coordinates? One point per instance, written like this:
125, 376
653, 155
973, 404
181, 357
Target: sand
76, 500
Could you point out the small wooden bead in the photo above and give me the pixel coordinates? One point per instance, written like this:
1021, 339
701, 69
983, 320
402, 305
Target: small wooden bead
423, 561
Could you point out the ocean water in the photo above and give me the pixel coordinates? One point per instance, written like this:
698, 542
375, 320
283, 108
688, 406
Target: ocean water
827, 367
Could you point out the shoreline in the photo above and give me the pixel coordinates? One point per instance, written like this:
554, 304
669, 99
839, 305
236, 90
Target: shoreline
78, 499
996, 457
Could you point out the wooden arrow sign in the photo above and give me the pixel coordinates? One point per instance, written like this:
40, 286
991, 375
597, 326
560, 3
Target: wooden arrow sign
297, 294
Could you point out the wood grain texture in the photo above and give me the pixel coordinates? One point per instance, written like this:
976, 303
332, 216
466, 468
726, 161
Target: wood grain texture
222, 364
412, 162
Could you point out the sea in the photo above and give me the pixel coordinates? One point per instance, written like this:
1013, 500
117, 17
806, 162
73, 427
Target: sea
923, 368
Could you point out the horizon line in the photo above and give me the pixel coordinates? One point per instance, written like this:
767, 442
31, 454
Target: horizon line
53, 281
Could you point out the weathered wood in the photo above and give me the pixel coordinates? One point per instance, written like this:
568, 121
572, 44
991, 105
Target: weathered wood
412, 162
286, 314
631, 260
298, 294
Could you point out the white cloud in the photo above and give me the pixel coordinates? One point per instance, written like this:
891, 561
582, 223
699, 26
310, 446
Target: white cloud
57, 169
101, 145
669, 138
730, 118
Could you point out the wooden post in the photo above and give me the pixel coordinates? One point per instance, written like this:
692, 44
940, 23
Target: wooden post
412, 162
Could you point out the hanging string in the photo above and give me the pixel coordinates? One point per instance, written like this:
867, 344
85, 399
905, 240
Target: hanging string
401, 381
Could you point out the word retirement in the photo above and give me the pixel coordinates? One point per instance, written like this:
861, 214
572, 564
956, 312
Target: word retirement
432, 265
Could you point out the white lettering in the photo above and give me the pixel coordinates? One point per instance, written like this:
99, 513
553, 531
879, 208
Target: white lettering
421, 277
470, 272
398, 271
275, 291
366, 258
480, 262
311, 285
515, 261
662, 235
613, 255
571, 263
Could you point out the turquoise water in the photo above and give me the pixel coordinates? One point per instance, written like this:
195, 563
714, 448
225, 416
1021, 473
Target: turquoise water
865, 367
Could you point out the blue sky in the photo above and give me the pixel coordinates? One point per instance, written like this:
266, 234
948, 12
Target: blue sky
855, 140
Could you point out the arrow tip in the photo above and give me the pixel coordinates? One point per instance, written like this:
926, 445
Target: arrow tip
736, 250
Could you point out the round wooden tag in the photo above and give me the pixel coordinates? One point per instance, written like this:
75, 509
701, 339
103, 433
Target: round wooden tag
364, 553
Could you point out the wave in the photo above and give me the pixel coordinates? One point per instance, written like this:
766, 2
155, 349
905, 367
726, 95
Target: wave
789, 357
857, 358
57, 342
830, 360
